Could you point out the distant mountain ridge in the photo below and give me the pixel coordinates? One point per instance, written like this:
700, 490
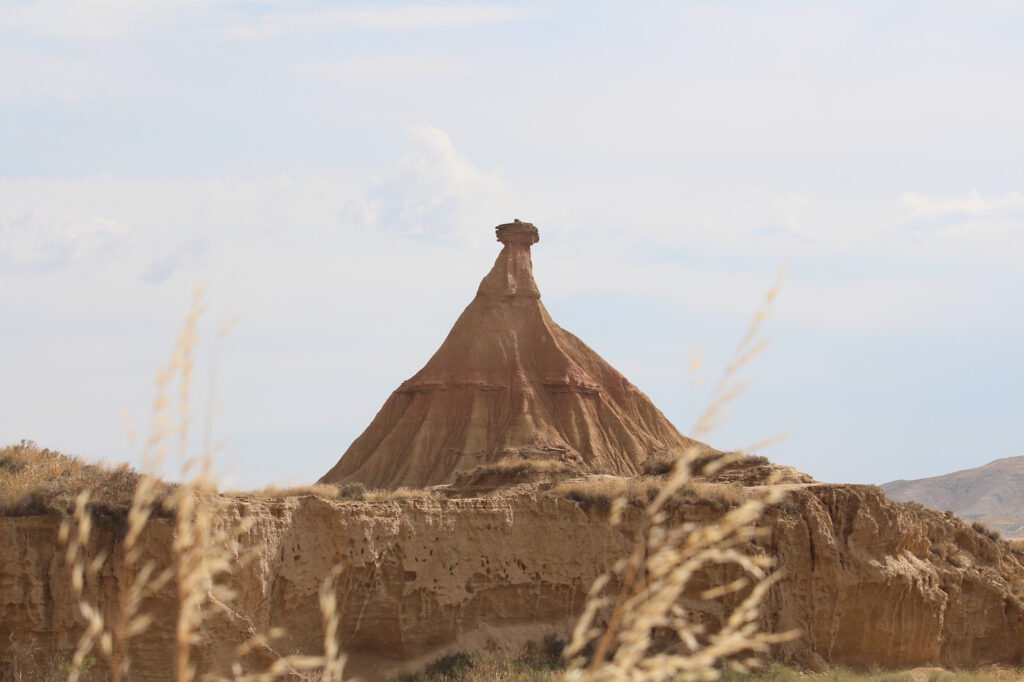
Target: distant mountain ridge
992, 494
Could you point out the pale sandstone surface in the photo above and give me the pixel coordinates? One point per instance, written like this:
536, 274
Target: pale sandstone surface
868, 581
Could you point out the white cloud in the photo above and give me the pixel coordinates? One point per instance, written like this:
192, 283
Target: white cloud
973, 204
46, 235
436, 192
400, 18
162, 226
912, 229
969, 228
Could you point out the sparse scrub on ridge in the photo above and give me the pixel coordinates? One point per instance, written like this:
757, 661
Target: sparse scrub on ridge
322, 490
660, 466
600, 492
513, 467
990, 533
352, 492
36, 480
400, 494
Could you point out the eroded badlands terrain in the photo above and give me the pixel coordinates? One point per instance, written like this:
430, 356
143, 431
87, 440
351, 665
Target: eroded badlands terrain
867, 581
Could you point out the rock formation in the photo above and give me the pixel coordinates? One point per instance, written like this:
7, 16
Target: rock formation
868, 582
508, 382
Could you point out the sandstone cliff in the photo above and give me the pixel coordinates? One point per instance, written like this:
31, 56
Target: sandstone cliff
508, 381
868, 581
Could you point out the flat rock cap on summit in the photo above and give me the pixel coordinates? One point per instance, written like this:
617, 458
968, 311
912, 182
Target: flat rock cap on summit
517, 232
508, 382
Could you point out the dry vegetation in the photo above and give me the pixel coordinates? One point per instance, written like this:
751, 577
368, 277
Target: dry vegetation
635, 625
325, 491
512, 468
353, 492
661, 466
538, 662
990, 533
205, 551
322, 490
400, 494
600, 492
640, 630
36, 480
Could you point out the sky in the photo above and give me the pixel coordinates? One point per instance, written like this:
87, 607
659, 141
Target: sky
331, 172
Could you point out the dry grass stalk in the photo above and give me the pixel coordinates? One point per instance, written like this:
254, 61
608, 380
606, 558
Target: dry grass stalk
326, 668
204, 551
657, 577
140, 581
333, 660
729, 387
145, 579
75, 537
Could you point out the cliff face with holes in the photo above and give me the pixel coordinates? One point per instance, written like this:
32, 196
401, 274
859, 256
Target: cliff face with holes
868, 581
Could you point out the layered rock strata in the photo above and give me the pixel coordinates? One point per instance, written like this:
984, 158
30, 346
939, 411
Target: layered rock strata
508, 382
867, 581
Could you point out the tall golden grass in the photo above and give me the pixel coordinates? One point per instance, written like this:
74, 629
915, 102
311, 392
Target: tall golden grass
637, 624
205, 552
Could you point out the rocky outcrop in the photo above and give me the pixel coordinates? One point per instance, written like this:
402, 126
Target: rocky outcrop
867, 581
508, 382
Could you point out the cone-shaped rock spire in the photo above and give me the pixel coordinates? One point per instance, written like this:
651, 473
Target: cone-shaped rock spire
508, 381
